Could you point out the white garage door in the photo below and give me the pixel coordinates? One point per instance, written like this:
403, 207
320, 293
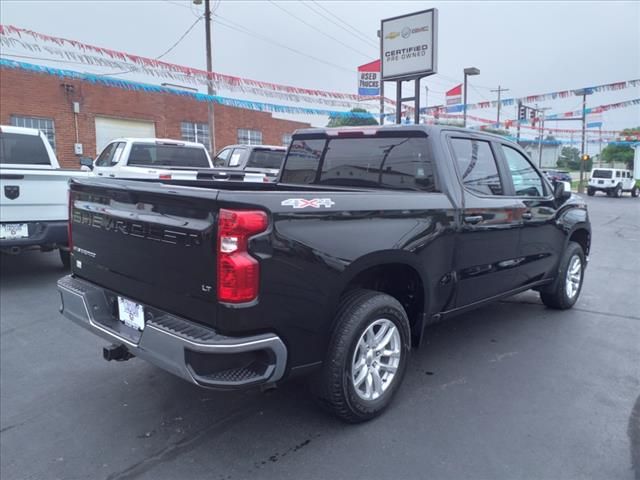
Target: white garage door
109, 128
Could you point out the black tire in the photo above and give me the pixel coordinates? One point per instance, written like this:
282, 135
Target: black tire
333, 385
556, 296
635, 191
609, 193
65, 258
617, 192
591, 192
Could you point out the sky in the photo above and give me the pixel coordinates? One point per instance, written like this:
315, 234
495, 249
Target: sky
527, 47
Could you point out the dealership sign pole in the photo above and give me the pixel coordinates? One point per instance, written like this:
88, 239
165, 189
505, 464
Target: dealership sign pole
408, 51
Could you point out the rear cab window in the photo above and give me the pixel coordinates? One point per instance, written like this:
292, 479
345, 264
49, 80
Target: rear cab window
167, 155
21, 149
396, 162
602, 174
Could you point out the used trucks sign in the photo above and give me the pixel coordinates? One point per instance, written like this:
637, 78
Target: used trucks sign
409, 45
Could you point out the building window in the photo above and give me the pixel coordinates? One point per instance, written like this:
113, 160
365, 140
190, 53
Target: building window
286, 139
45, 125
249, 137
196, 132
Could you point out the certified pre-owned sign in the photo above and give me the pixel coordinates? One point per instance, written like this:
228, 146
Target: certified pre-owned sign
409, 45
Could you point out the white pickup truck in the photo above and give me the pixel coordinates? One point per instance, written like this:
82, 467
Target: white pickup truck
33, 194
156, 158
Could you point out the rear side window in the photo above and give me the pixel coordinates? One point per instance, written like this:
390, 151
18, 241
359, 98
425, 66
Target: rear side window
602, 174
391, 162
22, 149
477, 166
266, 159
152, 155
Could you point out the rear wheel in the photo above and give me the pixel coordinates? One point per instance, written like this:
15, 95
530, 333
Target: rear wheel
367, 356
617, 192
591, 191
564, 292
635, 191
65, 258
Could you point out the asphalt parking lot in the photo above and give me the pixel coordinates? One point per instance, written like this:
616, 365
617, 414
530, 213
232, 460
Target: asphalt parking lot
511, 391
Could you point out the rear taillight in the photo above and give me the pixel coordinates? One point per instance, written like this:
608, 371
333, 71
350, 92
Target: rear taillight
164, 176
238, 271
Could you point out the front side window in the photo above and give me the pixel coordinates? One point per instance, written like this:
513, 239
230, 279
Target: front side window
477, 166
526, 180
104, 159
221, 159
195, 132
249, 137
45, 125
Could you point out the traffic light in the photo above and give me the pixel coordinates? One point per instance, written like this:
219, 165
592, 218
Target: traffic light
522, 112
585, 157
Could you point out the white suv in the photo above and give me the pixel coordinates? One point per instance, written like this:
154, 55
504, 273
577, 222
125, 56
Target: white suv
612, 181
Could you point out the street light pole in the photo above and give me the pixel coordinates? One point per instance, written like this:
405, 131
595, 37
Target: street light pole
210, 90
467, 72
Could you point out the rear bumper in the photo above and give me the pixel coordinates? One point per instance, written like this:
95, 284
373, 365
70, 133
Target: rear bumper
191, 351
49, 233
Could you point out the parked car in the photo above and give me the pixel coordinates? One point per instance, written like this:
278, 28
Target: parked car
612, 181
256, 159
558, 175
33, 193
150, 158
369, 236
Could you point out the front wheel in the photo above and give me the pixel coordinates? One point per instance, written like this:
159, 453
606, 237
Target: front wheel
564, 292
367, 356
635, 191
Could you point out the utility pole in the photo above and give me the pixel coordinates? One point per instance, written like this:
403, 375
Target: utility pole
600, 145
518, 106
584, 133
499, 90
210, 90
541, 110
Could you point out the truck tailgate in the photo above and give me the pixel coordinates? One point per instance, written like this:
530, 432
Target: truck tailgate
31, 195
149, 242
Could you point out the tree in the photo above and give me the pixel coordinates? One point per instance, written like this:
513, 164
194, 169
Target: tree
352, 120
618, 154
570, 158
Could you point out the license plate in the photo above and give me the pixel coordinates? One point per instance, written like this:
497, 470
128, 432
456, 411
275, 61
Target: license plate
14, 230
131, 313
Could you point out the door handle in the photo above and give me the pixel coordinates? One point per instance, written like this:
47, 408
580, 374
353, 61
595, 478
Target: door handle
527, 216
473, 219
112, 175
100, 174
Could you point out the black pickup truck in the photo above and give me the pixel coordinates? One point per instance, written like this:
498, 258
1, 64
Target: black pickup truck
368, 236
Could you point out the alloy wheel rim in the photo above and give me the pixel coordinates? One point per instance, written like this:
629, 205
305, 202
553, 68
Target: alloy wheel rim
376, 359
573, 277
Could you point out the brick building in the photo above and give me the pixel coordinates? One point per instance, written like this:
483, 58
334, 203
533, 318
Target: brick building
45, 101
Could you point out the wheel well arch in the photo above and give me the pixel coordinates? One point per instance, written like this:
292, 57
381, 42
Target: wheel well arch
582, 237
398, 277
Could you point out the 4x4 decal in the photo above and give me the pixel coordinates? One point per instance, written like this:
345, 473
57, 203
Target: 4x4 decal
304, 203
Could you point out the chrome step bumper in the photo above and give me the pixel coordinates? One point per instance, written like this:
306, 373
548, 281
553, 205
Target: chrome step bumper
191, 351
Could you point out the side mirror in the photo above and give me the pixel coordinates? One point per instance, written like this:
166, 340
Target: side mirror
86, 162
562, 190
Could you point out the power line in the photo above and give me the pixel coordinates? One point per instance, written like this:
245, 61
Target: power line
176, 43
318, 30
239, 28
349, 28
